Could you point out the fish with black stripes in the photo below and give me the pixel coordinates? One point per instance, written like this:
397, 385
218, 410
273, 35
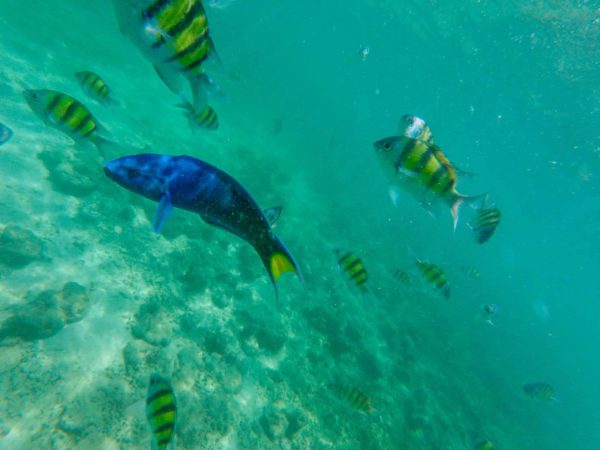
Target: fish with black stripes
94, 86
174, 36
68, 115
194, 185
401, 276
435, 277
540, 391
353, 397
206, 119
161, 411
485, 223
413, 163
354, 268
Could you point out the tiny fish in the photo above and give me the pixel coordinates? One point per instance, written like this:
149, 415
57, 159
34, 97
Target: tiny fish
94, 86
68, 115
161, 411
485, 224
272, 214
174, 36
471, 272
194, 185
435, 277
401, 276
206, 119
363, 52
488, 312
485, 445
353, 397
540, 391
5, 134
354, 268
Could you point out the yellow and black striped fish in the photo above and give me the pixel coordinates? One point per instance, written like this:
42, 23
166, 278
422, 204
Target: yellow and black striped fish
435, 277
353, 397
401, 276
68, 115
354, 268
161, 410
206, 119
94, 86
421, 169
485, 224
174, 36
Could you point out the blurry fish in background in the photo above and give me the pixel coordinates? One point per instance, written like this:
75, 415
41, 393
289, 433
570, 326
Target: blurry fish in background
352, 397
206, 119
354, 268
488, 312
485, 223
94, 86
419, 167
174, 36
540, 391
364, 52
191, 184
485, 445
401, 276
5, 134
471, 272
272, 214
541, 309
161, 411
68, 115
435, 277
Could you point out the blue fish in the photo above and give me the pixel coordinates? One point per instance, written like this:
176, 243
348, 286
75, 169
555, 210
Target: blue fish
188, 183
5, 134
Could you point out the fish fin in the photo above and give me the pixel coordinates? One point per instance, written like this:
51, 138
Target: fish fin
394, 193
464, 173
213, 53
199, 86
107, 148
277, 259
272, 214
137, 409
454, 209
171, 78
165, 206
187, 106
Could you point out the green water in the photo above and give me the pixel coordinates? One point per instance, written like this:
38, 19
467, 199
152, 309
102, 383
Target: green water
511, 92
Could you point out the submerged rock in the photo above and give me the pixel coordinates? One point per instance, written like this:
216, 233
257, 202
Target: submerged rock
19, 247
153, 324
45, 315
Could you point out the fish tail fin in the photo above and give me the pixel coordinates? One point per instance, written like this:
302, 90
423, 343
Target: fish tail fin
458, 201
185, 105
277, 260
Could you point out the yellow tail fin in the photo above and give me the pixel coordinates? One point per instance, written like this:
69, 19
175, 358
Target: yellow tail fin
280, 264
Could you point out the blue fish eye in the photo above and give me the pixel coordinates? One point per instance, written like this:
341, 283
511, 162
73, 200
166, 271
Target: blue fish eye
132, 173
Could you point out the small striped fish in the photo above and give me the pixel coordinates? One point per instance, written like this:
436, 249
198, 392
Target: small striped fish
353, 397
206, 119
94, 86
161, 411
435, 277
485, 224
66, 114
354, 268
174, 36
471, 272
401, 276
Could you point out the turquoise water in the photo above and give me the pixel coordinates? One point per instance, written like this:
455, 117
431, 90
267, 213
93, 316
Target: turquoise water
511, 92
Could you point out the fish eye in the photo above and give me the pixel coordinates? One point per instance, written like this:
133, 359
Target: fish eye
132, 173
386, 146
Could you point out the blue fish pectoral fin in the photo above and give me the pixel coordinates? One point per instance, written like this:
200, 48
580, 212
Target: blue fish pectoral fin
170, 77
272, 214
165, 206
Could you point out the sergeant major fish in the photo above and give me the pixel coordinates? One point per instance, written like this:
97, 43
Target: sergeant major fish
435, 277
161, 411
94, 86
419, 167
353, 397
401, 276
206, 118
485, 224
68, 115
540, 391
174, 36
194, 185
354, 268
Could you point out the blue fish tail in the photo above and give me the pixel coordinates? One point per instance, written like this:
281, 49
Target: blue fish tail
277, 259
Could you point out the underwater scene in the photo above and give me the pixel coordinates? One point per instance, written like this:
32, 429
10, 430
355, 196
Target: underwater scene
273, 224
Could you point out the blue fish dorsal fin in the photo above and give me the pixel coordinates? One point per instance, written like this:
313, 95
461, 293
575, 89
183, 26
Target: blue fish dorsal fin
165, 206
